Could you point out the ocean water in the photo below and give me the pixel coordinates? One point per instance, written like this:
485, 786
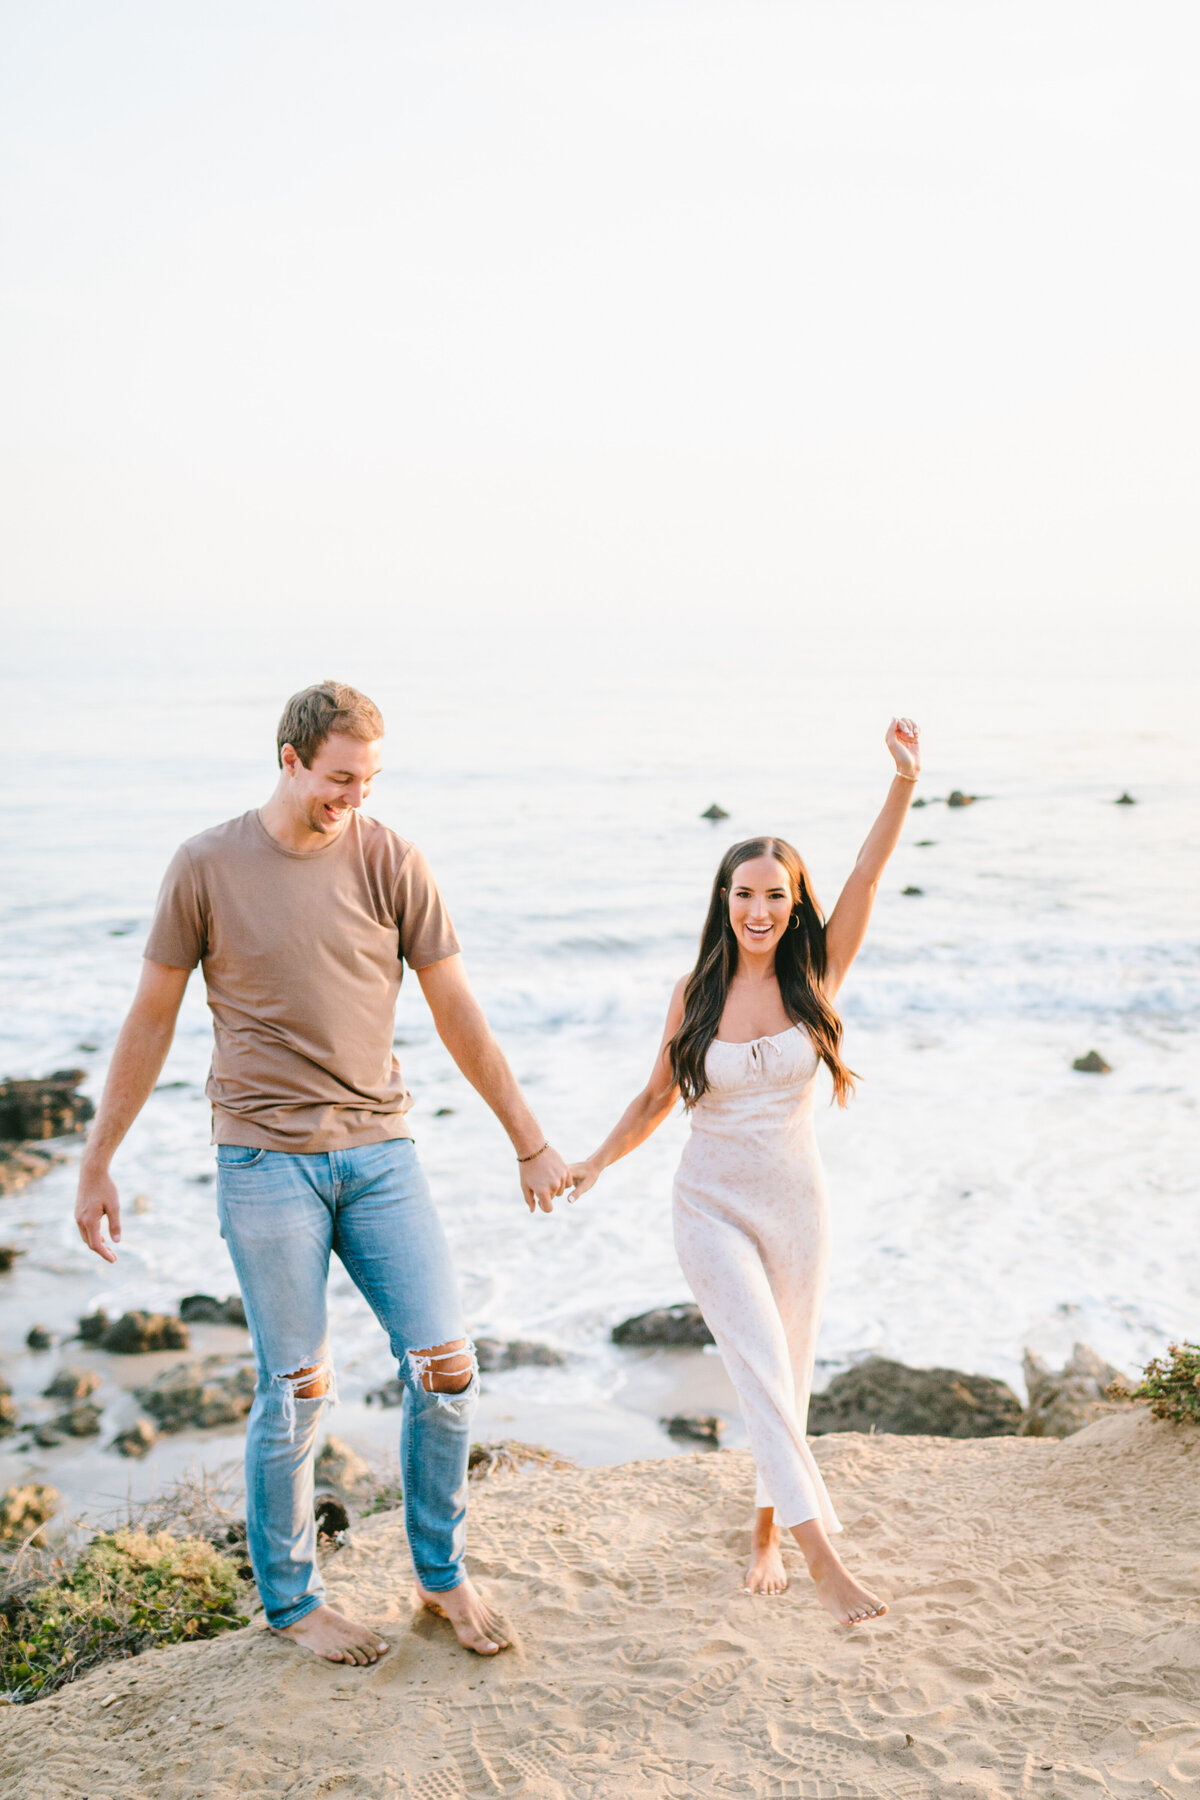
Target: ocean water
985, 1196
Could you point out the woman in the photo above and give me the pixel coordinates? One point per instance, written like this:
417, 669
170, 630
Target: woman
746, 1032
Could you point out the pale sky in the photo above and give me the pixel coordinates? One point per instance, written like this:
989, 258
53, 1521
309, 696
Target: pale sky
879, 314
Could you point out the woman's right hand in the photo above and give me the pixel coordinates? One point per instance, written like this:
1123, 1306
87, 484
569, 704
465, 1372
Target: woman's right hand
582, 1176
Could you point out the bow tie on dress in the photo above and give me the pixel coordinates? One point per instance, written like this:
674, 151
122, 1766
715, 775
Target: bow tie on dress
756, 1046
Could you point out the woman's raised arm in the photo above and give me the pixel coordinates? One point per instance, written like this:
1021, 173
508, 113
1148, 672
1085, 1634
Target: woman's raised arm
847, 924
644, 1114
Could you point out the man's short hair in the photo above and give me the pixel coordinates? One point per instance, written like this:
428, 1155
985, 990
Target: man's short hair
317, 712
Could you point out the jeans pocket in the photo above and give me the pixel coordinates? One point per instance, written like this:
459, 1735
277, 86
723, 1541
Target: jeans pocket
239, 1156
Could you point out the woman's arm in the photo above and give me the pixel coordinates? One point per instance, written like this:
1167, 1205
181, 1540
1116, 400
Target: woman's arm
643, 1115
847, 925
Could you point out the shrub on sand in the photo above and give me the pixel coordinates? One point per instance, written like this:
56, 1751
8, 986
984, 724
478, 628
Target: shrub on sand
1171, 1384
131, 1590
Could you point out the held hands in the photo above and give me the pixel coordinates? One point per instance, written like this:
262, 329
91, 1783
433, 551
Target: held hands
580, 1177
543, 1178
903, 739
96, 1201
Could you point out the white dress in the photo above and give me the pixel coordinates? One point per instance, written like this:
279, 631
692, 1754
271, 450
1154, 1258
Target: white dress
752, 1236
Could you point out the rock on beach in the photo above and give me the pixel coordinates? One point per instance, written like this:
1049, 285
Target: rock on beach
880, 1395
137, 1439
703, 1428
72, 1384
198, 1396
683, 1324
494, 1354
1062, 1401
136, 1333
48, 1108
206, 1309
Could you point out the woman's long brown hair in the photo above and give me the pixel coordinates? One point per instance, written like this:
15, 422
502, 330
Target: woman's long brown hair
799, 969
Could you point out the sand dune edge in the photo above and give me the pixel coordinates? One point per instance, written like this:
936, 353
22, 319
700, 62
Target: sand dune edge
1043, 1638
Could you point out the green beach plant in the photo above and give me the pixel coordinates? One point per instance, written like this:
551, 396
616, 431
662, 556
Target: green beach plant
1171, 1384
131, 1590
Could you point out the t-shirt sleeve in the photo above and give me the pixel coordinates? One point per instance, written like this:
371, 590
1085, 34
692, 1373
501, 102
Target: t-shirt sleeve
178, 931
426, 934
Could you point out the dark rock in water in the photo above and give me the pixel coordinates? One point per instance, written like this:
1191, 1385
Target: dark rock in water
24, 1164
8, 1256
390, 1394
958, 798
135, 1333
1125, 800
206, 1309
444, 1112
195, 1396
878, 1395
80, 1421
44, 1109
46, 1438
331, 1516
493, 1354
72, 1384
682, 1324
912, 890
705, 1428
136, 1440
93, 1328
1065, 1400
38, 1338
1091, 1064
925, 843
714, 812
920, 801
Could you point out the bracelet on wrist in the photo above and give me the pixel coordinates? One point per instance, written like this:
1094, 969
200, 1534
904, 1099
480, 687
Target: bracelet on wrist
901, 776
534, 1153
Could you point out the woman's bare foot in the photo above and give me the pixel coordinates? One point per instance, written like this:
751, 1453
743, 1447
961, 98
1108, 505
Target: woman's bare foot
767, 1574
474, 1622
333, 1637
848, 1601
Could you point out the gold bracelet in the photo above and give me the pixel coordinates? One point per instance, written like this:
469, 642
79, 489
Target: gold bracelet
534, 1153
900, 776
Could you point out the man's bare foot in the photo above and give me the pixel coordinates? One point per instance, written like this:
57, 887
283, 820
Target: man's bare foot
848, 1601
333, 1637
474, 1622
767, 1574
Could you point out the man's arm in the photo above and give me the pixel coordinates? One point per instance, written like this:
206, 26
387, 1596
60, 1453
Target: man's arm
137, 1062
464, 1030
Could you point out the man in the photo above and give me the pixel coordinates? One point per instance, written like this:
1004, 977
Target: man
299, 915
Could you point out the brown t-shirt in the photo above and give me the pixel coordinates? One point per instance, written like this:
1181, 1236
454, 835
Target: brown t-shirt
301, 954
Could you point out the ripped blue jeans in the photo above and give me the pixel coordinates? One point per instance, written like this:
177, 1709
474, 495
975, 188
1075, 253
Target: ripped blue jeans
281, 1215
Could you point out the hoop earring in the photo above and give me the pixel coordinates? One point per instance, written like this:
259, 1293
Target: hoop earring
795, 924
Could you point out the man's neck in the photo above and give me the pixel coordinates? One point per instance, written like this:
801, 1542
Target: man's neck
290, 829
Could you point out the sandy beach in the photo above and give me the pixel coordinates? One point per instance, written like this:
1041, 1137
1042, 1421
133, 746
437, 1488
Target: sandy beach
1043, 1639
